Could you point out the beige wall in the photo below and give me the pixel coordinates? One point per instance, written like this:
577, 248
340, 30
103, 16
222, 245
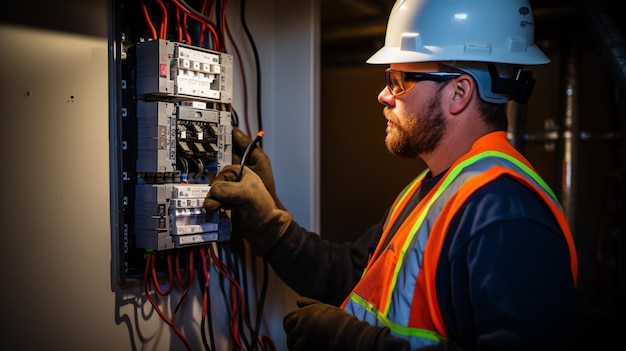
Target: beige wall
56, 255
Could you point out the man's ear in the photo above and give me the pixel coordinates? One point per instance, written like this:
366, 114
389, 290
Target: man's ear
464, 89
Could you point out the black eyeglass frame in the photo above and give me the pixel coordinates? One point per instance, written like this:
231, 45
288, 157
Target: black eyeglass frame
415, 77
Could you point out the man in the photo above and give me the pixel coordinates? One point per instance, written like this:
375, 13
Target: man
475, 253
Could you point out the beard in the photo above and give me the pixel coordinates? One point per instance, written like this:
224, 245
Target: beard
417, 133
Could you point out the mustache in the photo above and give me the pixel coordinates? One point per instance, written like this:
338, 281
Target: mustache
389, 114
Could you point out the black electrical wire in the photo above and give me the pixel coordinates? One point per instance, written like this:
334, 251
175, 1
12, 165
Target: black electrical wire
256, 63
260, 304
234, 117
241, 274
218, 22
197, 13
207, 321
241, 265
247, 152
232, 262
222, 281
205, 342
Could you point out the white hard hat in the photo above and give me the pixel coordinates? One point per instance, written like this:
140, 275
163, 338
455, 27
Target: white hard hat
491, 31
500, 31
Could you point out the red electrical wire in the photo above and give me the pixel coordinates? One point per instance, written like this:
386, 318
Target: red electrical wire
179, 278
186, 29
148, 20
186, 285
163, 31
207, 9
170, 275
203, 10
146, 283
179, 26
235, 297
207, 276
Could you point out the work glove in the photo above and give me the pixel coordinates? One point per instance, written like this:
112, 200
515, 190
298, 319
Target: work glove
258, 161
255, 216
318, 326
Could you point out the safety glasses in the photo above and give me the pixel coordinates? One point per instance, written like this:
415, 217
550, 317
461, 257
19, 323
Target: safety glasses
396, 79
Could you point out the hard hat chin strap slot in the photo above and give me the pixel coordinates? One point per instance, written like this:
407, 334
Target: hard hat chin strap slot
519, 87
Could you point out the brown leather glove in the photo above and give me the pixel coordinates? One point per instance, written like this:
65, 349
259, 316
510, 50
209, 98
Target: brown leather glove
258, 161
255, 215
319, 326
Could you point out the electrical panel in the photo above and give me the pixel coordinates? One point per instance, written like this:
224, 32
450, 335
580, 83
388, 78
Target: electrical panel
176, 133
172, 119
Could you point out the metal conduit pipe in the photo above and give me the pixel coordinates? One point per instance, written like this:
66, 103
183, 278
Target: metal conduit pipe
570, 139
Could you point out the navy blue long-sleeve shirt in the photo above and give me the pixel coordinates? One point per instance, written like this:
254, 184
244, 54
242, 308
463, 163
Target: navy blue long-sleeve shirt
503, 279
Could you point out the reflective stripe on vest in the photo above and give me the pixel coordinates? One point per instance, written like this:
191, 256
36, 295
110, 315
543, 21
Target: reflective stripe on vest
397, 289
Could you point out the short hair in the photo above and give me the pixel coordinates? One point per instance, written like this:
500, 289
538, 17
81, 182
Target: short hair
494, 115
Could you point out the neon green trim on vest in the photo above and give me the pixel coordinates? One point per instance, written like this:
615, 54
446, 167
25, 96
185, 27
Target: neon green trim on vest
524, 168
398, 329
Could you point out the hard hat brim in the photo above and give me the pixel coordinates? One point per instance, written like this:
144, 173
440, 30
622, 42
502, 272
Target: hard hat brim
387, 55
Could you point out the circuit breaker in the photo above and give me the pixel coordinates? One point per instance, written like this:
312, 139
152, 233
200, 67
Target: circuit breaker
179, 135
169, 216
174, 138
178, 71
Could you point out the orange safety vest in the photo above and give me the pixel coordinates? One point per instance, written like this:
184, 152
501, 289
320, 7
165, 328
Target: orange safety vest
394, 291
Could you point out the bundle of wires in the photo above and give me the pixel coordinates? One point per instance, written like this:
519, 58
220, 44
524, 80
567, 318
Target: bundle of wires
229, 261
231, 264
150, 273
